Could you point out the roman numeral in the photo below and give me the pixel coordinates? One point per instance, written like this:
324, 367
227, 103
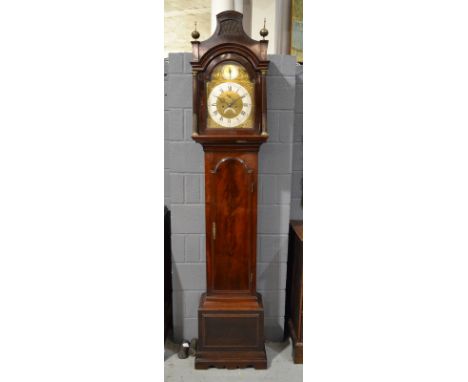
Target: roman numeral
220, 118
230, 88
243, 112
246, 104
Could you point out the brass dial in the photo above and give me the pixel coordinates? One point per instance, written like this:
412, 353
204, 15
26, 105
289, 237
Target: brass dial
229, 104
230, 97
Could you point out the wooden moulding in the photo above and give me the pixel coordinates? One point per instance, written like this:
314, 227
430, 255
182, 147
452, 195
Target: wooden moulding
231, 360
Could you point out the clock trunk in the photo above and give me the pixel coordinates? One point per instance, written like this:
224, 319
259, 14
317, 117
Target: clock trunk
231, 185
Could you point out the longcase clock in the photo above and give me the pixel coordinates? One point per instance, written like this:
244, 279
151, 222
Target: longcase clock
229, 121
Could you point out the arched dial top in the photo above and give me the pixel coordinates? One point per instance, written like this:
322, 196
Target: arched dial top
230, 100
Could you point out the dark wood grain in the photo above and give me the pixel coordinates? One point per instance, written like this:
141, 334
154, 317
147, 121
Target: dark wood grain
231, 188
231, 204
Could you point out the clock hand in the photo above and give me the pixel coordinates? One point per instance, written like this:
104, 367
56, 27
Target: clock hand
233, 102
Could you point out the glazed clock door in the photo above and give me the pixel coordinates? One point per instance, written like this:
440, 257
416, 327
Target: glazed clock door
231, 237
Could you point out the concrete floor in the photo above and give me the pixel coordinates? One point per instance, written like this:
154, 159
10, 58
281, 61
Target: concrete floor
280, 367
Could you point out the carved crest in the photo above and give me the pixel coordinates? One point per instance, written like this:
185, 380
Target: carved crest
230, 27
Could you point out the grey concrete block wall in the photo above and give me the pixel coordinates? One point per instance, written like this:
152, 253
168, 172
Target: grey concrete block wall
185, 174
167, 192
297, 166
185, 198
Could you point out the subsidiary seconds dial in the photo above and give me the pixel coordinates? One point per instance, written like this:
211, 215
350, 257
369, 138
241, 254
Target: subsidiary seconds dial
229, 104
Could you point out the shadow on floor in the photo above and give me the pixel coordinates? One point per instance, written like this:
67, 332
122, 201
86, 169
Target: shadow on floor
273, 349
170, 349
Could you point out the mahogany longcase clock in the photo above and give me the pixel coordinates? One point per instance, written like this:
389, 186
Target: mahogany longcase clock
229, 120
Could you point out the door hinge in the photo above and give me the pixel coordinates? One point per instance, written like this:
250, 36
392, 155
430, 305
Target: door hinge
213, 230
251, 277
252, 187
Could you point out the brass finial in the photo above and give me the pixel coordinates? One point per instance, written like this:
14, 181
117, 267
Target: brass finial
264, 31
195, 33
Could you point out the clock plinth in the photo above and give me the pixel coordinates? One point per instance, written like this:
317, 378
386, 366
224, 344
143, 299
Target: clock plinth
230, 332
229, 121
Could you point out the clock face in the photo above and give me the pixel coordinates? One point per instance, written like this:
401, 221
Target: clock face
230, 100
229, 104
